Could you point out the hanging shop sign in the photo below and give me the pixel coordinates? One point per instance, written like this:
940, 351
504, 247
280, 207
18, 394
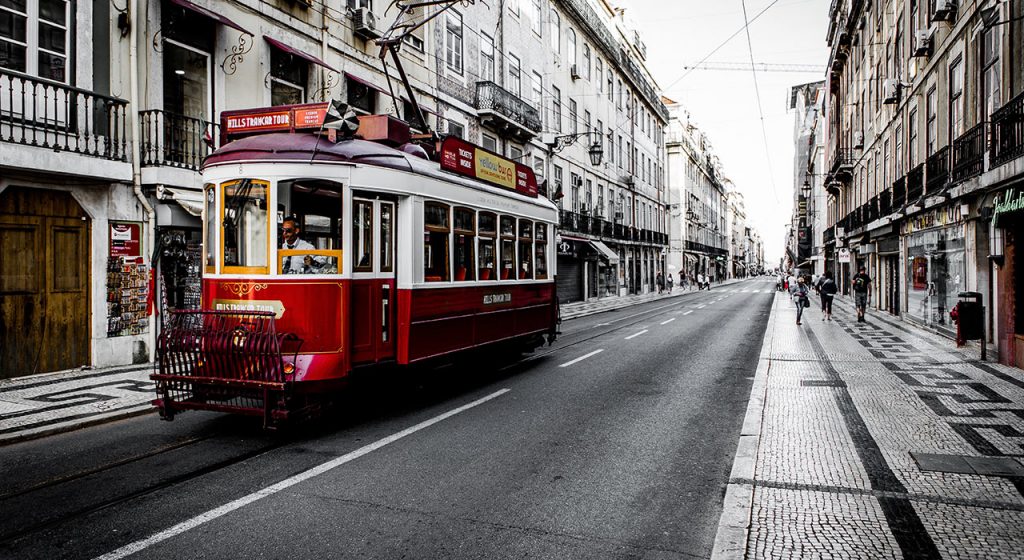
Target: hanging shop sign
843, 256
1006, 204
464, 158
938, 217
125, 239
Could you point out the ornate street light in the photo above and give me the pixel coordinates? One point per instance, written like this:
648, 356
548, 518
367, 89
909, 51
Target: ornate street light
596, 150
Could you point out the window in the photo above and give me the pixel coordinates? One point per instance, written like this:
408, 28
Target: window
589, 194
508, 247
599, 73
537, 90
355, 4
586, 61
991, 96
610, 150
912, 138
525, 250
513, 6
436, 228
540, 260
514, 81
515, 153
575, 186
574, 124
489, 142
898, 153
465, 241
619, 99
453, 41
555, 30
360, 96
486, 58
558, 185
387, 236
600, 201
931, 128
535, 23
456, 129
570, 46
556, 109
34, 37
611, 84
210, 216
362, 236
487, 257
956, 99
586, 122
245, 230
288, 78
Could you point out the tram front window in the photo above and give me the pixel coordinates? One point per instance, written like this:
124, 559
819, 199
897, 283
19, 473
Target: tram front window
309, 227
245, 226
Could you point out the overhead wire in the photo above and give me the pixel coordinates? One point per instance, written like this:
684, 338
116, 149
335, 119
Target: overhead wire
760, 109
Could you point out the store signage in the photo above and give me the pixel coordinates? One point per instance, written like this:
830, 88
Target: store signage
1010, 201
939, 217
459, 156
270, 119
125, 239
843, 256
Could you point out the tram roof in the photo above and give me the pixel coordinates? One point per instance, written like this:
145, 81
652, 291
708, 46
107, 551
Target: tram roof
304, 148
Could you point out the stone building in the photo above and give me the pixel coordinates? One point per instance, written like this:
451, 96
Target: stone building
809, 199
924, 157
738, 234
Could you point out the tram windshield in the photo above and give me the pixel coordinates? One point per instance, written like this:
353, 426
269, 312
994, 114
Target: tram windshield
309, 232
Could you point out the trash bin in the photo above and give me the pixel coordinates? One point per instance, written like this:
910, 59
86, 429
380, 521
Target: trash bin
971, 316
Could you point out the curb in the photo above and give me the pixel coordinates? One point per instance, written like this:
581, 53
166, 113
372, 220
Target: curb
612, 307
737, 507
72, 425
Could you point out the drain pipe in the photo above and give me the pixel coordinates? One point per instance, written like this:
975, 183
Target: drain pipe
133, 118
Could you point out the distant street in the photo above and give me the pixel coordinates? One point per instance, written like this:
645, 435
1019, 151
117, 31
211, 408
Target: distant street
615, 442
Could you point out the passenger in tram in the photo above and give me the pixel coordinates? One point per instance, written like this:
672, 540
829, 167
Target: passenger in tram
292, 264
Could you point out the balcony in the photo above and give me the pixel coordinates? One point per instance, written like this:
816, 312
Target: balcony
843, 160
580, 222
915, 184
173, 140
505, 113
937, 171
1008, 131
898, 194
55, 116
969, 154
885, 203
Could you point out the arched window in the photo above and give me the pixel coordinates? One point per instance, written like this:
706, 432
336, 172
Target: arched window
570, 46
556, 32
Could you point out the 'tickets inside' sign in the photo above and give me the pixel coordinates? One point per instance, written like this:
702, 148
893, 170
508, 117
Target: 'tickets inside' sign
125, 239
459, 156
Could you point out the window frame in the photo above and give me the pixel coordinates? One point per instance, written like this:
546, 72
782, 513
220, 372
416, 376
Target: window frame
429, 229
471, 271
222, 265
449, 52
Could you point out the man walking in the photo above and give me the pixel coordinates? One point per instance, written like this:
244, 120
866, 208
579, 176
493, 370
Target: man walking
861, 285
827, 288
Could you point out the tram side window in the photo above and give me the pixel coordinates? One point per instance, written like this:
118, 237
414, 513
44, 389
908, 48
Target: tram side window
488, 231
540, 261
362, 236
437, 229
309, 226
508, 247
525, 249
210, 227
465, 233
246, 225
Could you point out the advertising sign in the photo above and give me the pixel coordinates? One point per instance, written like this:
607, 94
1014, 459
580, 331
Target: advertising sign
843, 256
459, 156
1007, 203
125, 239
270, 119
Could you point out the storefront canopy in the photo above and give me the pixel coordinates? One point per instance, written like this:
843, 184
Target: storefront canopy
210, 14
191, 201
606, 253
297, 53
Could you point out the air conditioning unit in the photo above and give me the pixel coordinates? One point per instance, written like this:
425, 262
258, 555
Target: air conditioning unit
364, 23
627, 180
922, 43
574, 72
945, 10
891, 91
858, 139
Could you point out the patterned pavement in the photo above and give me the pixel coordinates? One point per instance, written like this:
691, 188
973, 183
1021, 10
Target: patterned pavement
875, 440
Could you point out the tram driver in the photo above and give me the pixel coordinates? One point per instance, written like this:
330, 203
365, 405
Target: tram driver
293, 264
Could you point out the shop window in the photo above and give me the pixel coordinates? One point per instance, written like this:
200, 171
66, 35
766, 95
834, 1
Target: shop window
486, 257
508, 247
437, 229
525, 249
465, 241
246, 225
362, 236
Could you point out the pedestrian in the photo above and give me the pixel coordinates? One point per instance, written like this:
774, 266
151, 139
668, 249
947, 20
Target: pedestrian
668, 282
827, 288
682, 280
659, 279
861, 293
802, 301
700, 281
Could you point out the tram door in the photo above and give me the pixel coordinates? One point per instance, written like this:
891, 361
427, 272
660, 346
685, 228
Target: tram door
373, 293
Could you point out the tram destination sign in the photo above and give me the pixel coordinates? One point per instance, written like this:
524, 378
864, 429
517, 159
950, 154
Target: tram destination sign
270, 119
463, 158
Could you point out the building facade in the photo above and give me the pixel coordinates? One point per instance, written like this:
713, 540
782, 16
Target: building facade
923, 157
738, 234
804, 250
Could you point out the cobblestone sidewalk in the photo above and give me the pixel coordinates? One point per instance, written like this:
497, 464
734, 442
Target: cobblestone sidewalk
48, 403
875, 440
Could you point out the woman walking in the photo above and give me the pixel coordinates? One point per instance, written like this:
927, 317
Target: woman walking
802, 301
828, 291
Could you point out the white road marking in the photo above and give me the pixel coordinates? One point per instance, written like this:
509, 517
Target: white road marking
669, 321
701, 306
746, 291
688, 312
757, 291
636, 335
318, 470
581, 358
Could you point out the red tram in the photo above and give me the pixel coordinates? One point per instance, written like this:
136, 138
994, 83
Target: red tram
324, 256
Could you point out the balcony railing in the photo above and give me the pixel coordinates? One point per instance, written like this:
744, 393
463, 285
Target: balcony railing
492, 97
885, 203
937, 170
580, 222
969, 154
175, 140
843, 160
898, 194
915, 184
1008, 131
39, 112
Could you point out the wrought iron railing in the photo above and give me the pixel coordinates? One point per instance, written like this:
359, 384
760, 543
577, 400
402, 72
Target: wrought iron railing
491, 96
937, 170
843, 159
39, 112
915, 184
969, 154
1008, 131
898, 194
885, 202
175, 140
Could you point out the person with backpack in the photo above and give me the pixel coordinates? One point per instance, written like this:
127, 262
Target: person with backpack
861, 285
801, 294
827, 288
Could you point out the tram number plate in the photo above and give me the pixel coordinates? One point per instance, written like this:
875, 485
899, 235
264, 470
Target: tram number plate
491, 299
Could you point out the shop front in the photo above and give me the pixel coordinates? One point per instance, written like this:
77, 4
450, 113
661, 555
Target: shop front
1006, 250
936, 267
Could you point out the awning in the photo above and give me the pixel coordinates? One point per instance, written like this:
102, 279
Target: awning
605, 252
691, 258
296, 52
210, 14
191, 201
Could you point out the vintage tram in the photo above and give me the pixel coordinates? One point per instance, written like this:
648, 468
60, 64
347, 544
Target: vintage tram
325, 255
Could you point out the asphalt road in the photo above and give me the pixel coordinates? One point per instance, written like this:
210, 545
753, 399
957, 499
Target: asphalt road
616, 442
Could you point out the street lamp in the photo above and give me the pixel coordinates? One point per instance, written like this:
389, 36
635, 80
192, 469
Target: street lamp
596, 150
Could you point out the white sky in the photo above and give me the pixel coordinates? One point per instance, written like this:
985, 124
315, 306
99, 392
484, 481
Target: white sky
679, 33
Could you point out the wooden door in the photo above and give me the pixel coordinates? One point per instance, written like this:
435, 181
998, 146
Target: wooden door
44, 282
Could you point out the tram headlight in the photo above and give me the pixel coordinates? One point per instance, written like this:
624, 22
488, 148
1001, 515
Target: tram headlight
289, 368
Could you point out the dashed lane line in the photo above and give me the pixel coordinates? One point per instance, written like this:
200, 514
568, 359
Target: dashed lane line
669, 321
581, 358
632, 336
688, 312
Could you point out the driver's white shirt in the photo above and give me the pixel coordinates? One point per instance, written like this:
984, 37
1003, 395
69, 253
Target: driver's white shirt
294, 264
